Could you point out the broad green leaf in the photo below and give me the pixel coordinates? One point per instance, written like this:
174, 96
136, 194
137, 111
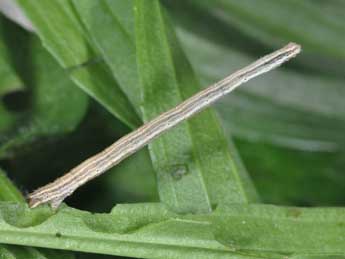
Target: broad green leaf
63, 35
276, 22
57, 105
269, 228
195, 170
137, 230
142, 231
151, 231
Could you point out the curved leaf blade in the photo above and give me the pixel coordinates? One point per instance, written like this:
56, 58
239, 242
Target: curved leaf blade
71, 47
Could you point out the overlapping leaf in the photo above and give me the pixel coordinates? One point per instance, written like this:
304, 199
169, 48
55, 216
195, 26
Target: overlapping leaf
57, 106
117, 29
73, 51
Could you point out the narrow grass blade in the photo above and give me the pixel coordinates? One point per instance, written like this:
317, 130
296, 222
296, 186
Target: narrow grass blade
195, 170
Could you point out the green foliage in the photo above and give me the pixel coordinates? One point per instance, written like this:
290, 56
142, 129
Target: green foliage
174, 189
288, 116
189, 194
74, 53
280, 229
152, 231
205, 173
49, 88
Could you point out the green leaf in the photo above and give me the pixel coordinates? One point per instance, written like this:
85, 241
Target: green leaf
73, 51
272, 132
69, 46
269, 127
276, 22
113, 26
50, 87
82, 231
269, 228
107, 27
152, 231
97, 81
195, 170
136, 230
